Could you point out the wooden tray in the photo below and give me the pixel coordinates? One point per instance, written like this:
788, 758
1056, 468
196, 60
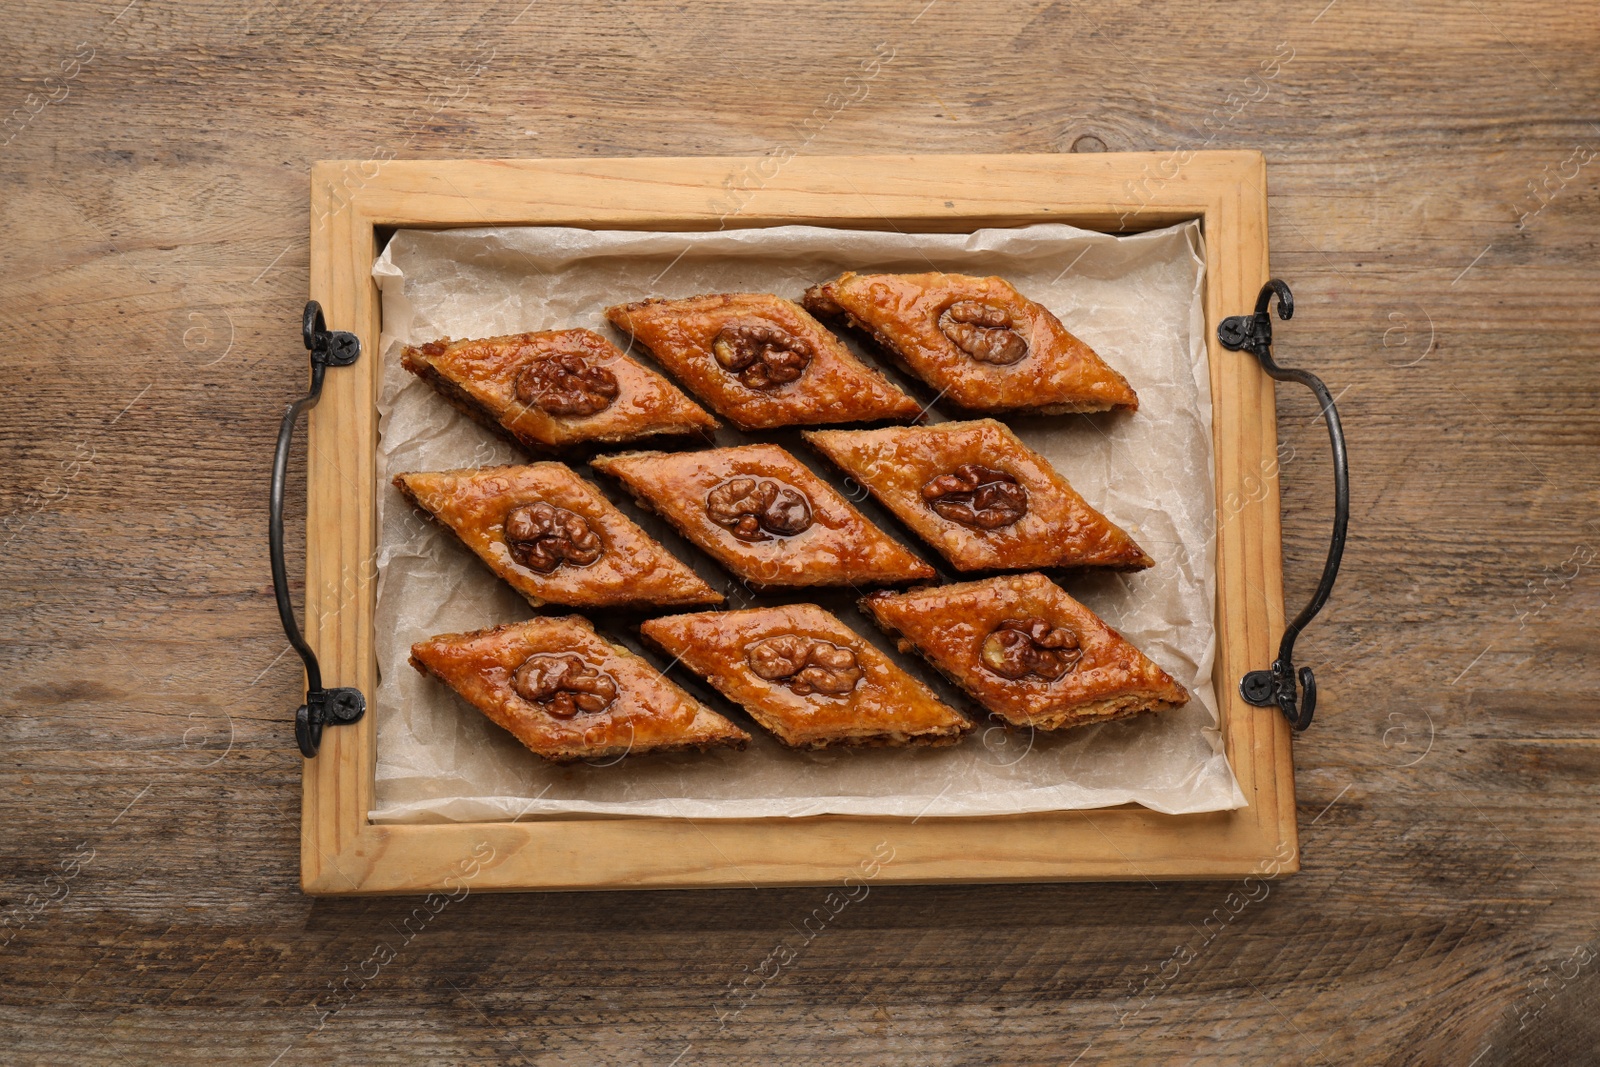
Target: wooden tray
342, 852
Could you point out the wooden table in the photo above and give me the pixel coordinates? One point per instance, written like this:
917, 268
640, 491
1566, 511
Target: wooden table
1434, 190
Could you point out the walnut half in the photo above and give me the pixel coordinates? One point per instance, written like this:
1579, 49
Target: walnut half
758, 509
762, 355
564, 685
983, 331
805, 664
977, 496
542, 537
566, 384
1018, 648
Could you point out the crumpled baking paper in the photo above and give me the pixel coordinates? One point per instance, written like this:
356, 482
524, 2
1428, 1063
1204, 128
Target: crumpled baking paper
1136, 300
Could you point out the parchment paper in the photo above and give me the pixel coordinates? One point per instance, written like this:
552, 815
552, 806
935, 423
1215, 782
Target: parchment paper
1136, 300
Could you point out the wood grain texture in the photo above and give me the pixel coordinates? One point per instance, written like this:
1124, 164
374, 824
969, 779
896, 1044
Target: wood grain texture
154, 265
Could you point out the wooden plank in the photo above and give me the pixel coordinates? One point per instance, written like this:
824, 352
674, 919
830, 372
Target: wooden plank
736, 853
343, 853
948, 192
1250, 579
341, 535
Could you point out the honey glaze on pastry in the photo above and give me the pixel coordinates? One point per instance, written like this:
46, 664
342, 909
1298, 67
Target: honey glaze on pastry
984, 345
556, 389
761, 361
553, 537
765, 516
1026, 651
980, 496
568, 694
806, 677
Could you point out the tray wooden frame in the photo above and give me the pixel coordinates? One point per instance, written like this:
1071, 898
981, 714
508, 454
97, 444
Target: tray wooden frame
342, 852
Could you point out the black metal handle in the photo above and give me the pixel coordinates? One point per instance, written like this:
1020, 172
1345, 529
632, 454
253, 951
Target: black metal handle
323, 707
1276, 687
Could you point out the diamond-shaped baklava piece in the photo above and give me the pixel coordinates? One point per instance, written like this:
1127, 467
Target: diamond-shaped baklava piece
569, 694
761, 361
556, 389
1024, 649
807, 677
762, 514
980, 496
982, 344
554, 537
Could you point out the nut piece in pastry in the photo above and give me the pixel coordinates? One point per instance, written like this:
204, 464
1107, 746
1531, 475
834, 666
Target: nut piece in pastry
1024, 649
542, 537
556, 389
983, 344
569, 694
761, 361
564, 685
554, 538
757, 509
1030, 648
980, 496
805, 665
763, 515
808, 678
977, 497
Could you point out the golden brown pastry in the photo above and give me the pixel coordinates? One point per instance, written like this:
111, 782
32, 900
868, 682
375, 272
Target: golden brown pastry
1024, 649
760, 361
763, 515
807, 677
568, 694
554, 538
980, 496
556, 389
984, 345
